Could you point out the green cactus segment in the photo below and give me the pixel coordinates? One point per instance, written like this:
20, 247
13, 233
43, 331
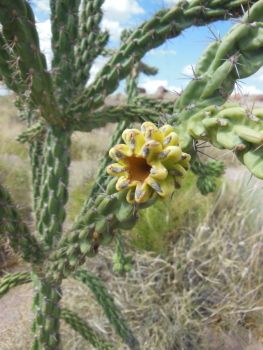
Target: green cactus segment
109, 211
20, 237
10, 77
238, 55
64, 20
121, 262
12, 280
107, 303
208, 174
21, 35
46, 307
228, 127
113, 114
54, 183
91, 41
32, 133
86, 331
163, 107
164, 25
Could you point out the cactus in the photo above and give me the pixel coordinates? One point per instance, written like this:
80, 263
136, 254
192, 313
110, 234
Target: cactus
56, 103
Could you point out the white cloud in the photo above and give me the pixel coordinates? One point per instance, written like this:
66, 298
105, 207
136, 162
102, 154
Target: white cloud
44, 31
96, 67
151, 85
121, 10
189, 70
171, 2
162, 52
42, 6
113, 27
248, 90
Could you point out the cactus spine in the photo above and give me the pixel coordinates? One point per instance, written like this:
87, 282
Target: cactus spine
57, 103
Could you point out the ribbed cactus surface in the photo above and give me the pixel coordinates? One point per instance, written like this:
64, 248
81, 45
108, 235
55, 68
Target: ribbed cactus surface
149, 164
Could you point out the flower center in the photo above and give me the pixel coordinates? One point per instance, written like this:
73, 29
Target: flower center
138, 168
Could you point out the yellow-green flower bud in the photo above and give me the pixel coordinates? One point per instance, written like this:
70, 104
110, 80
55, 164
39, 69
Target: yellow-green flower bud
151, 161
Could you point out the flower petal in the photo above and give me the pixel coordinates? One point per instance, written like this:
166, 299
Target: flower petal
117, 169
134, 139
171, 140
166, 129
151, 149
171, 154
158, 171
163, 188
120, 152
123, 183
151, 132
177, 170
131, 196
143, 193
185, 161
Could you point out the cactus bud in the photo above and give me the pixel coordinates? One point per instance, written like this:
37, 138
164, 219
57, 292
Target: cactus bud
146, 163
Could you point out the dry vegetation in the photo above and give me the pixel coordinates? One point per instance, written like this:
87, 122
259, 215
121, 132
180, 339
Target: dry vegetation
201, 290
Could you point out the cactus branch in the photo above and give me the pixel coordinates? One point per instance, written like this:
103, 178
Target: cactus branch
85, 330
64, 20
109, 307
21, 239
238, 55
12, 280
91, 41
46, 307
112, 114
21, 35
228, 127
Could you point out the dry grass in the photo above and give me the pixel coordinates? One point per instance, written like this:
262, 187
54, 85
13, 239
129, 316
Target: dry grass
205, 293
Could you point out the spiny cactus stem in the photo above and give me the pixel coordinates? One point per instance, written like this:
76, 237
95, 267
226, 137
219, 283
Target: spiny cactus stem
82, 327
12, 280
54, 185
112, 114
20, 237
46, 307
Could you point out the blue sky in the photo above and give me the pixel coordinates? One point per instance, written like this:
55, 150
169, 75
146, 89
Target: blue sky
173, 59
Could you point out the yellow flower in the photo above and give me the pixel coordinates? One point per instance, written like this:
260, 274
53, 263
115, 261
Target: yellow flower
151, 161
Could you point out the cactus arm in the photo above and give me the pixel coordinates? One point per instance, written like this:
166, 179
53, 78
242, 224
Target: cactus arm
85, 330
91, 41
12, 280
21, 239
147, 70
8, 74
107, 303
34, 135
164, 25
207, 174
113, 114
228, 127
64, 25
54, 182
21, 35
238, 55
160, 106
141, 109
46, 308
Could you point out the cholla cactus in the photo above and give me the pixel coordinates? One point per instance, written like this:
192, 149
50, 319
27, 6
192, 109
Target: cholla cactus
56, 103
